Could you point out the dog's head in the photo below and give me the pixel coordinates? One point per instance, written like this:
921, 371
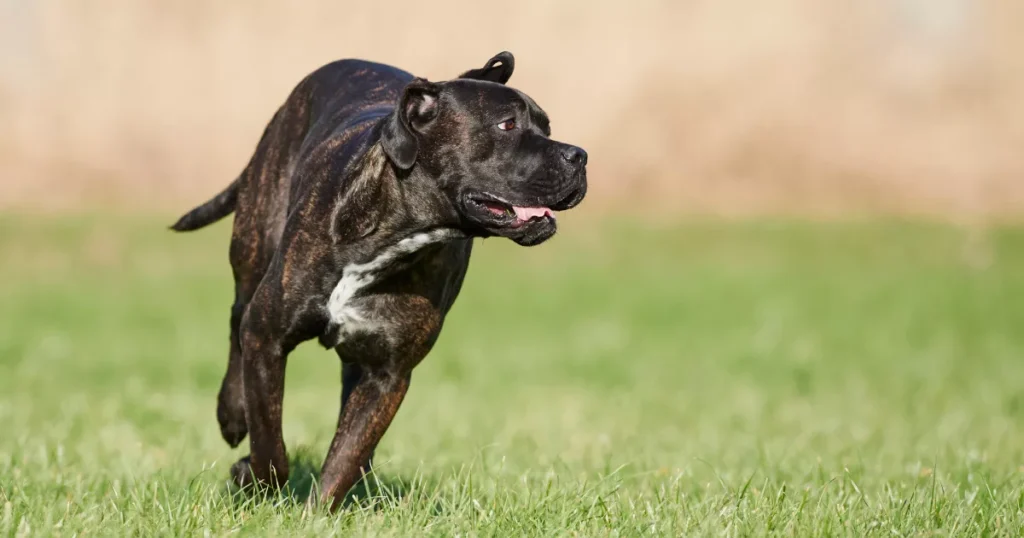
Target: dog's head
489, 148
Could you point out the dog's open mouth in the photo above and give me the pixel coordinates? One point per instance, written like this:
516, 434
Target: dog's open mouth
529, 220
511, 215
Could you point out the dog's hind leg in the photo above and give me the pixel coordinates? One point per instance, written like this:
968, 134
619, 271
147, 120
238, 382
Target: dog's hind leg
249, 257
231, 398
246, 247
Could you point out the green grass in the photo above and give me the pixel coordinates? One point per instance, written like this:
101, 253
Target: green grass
704, 379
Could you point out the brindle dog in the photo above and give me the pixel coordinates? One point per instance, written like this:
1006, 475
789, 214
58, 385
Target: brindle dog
354, 222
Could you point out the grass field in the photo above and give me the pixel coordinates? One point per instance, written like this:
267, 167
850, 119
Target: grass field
700, 379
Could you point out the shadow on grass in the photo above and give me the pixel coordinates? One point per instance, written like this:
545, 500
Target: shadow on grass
375, 491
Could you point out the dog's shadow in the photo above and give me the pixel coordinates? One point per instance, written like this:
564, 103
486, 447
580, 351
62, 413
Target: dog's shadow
375, 491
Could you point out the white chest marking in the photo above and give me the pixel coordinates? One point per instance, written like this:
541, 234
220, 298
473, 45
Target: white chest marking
357, 276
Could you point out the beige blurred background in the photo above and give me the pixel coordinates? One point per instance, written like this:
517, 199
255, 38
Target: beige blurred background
815, 107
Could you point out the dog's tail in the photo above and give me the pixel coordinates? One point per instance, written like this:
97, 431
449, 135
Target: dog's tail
219, 207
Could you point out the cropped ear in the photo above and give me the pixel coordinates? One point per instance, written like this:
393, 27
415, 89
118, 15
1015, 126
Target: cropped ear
498, 69
415, 111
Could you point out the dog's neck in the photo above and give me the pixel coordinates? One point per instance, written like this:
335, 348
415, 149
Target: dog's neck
417, 192
385, 199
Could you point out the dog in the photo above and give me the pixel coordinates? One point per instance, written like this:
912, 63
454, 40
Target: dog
354, 223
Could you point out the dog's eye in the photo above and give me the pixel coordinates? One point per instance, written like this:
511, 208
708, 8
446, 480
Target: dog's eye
507, 125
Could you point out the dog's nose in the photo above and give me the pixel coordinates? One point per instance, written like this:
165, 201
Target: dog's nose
575, 155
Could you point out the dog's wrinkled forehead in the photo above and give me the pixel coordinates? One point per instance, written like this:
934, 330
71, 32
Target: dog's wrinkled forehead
489, 101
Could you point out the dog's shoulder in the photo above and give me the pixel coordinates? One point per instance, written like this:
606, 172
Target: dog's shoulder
356, 80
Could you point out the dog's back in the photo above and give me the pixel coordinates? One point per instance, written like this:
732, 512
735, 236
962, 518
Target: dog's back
335, 102
328, 108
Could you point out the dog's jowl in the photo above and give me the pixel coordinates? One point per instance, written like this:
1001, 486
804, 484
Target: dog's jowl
354, 222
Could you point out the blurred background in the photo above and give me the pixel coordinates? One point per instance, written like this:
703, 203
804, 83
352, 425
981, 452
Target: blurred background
827, 302
908, 107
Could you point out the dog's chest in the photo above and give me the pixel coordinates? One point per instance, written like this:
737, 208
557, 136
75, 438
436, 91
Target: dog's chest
347, 314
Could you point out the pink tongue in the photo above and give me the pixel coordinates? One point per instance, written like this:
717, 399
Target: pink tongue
525, 213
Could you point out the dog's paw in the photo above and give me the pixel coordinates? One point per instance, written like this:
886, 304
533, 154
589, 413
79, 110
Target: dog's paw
241, 473
232, 422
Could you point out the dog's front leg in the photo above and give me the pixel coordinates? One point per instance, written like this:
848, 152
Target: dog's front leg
368, 411
264, 354
351, 373
377, 368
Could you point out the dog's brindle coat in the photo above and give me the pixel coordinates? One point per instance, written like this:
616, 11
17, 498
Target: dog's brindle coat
354, 222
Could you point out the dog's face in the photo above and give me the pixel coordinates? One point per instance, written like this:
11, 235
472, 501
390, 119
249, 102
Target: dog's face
489, 148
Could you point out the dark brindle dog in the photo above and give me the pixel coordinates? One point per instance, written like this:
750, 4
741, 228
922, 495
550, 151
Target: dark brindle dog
354, 222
